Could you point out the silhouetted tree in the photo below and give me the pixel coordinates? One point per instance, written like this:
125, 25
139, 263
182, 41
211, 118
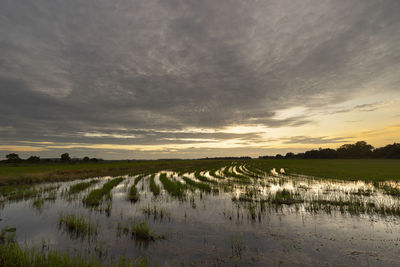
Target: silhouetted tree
358, 150
13, 157
289, 155
86, 159
321, 153
65, 157
389, 151
33, 159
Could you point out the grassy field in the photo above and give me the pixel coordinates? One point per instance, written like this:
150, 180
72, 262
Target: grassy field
343, 169
14, 174
346, 169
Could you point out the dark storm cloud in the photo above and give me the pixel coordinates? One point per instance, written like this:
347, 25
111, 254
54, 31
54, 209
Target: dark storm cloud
72, 67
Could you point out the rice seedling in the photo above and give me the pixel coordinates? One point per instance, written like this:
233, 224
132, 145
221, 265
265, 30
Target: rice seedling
95, 196
51, 196
7, 235
157, 213
137, 179
214, 174
362, 192
77, 226
122, 229
153, 186
237, 246
141, 232
15, 255
79, 187
38, 203
254, 170
284, 197
352, 206
252, 210
391, 191
108, 208
133, 194
15, 193
239, 178
203, 178
175, 189
202, 186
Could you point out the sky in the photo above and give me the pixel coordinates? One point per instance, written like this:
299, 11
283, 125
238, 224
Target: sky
130, 79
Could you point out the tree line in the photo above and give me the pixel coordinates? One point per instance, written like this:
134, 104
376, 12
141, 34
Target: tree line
359, 150
65, 157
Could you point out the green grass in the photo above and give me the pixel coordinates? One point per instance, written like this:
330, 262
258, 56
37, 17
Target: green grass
38, 203
157, 213
25, 192
239, 177
133, 194
79, 187
343, 169
26, 173
95, 196
214, 174
284, 197
7, 236
153, 187
140, 177
141, 231
202, 186
391, 191
15, 255
204, 178
352, 206
77, 226
175, 189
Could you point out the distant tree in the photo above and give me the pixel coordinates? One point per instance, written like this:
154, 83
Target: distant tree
358, 150
86, 159
65, 157
389, 151
33, 159
321, 153
300, 156
289, 155
13, 157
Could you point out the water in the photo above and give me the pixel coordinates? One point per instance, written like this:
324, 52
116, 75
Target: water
214, 229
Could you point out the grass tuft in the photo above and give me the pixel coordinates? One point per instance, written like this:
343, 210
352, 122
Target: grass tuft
79, 187
175, 189
95, 196
133, 194
153, 187
77, 226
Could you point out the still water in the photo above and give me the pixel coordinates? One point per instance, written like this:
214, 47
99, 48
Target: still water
314, 222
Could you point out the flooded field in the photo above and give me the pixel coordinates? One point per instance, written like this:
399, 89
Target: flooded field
234, 215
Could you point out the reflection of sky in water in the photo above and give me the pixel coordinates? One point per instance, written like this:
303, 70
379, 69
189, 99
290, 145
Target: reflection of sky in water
204, 234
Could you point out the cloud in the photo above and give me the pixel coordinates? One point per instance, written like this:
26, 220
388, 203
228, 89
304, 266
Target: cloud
315, 140
368, 107
72, 69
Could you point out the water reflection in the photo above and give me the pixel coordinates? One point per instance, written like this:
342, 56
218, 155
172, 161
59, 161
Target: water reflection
253, 219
